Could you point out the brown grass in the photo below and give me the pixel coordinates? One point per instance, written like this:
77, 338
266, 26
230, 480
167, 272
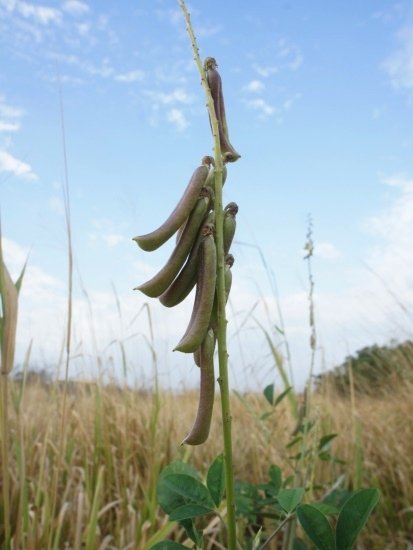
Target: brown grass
109, 436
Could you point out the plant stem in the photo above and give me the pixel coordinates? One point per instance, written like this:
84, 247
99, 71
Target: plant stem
284, 521
221, 296
5, 459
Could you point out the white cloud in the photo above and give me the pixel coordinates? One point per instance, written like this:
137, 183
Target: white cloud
83, 28
255, 86
326, 251
40, 14
179, 95
18, 168
75, 7
113, 239
9, 126
208, 30
177, 117
173, 15
290, 54
7, 111
265, 71
262, 106
131, 76
392, 257
399, 65
56, 204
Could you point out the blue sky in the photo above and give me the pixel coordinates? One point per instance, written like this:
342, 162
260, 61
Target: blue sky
319, 99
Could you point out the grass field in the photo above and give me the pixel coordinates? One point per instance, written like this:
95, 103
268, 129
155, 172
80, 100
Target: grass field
115, 441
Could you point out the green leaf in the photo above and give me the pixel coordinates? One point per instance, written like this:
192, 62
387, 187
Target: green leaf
325, 456
269, 394
275, 475
326, 509
216, 479
353, 517
282, 395
325, 440
266, 415
337, 498
294, 441
168, 545
179, 467
299, 544
189, 511
257, 540
175, 490
289, 499
194, 534
288, 481
316, 527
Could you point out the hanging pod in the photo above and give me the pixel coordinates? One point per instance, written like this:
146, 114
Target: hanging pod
204, 297
200, 429
163, 279
186, 280
155, 239
215, 85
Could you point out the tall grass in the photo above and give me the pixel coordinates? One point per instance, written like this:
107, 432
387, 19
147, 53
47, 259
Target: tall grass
106, 480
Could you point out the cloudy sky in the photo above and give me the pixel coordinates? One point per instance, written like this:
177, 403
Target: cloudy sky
319, 99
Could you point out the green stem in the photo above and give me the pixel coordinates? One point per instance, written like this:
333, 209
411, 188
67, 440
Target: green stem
5, 460
221, 297
284, 521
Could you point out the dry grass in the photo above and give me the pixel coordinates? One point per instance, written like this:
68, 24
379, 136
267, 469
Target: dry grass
112, 456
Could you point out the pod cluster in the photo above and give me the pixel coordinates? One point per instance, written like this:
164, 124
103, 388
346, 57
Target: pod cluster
193, 261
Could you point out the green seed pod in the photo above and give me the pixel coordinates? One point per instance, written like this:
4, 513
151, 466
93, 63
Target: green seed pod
212, 341
230, 225
163, 279
186, 280
200, 430
215, 85
204, 297
152, 241
229, 262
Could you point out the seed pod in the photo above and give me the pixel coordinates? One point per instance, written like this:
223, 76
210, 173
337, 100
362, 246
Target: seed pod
204, 297
180, 231
152, 241
186, 280
230, 224
162, 280
229, 262
215, 85
212, 341
200, 430
210, 184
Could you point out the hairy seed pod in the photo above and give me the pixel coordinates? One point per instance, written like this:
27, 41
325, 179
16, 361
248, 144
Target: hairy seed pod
230, 225
215, 85
153, 240
186, 280
229, 262
209, 161
200, 430
180, 231
212, 341
209, 184
204, 297
163, 279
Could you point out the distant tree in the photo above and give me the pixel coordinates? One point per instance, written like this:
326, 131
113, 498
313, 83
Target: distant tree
373, 368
